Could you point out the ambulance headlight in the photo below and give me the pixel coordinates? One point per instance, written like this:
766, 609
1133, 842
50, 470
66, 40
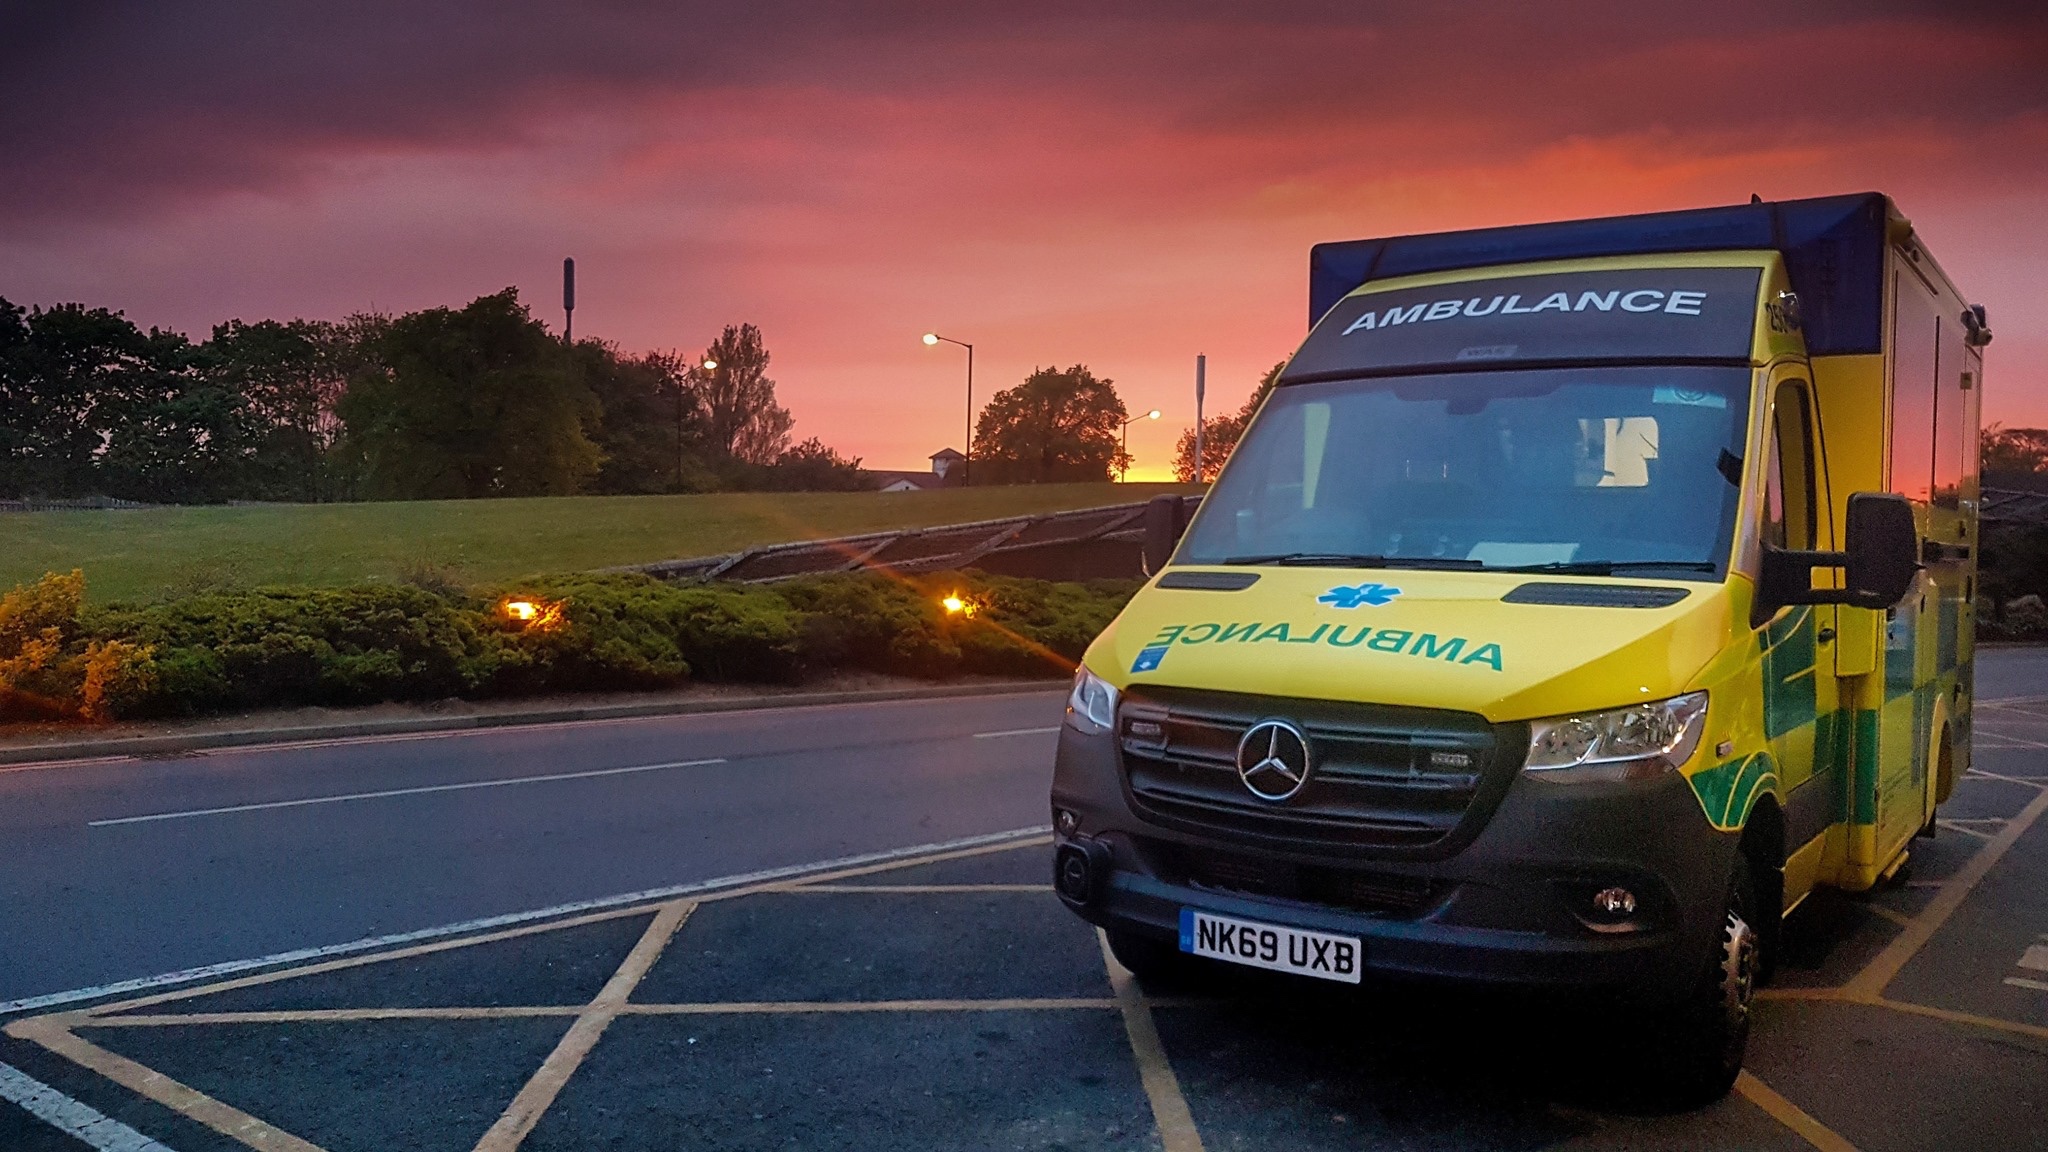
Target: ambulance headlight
1091, 706
1639, 742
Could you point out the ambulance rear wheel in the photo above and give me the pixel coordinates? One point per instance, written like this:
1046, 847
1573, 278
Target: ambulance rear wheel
1705, 1035
1149, 958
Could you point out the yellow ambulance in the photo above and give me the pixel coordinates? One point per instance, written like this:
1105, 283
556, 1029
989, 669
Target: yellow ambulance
1583, 597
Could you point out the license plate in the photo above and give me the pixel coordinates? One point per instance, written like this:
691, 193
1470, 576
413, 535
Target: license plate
1271, 946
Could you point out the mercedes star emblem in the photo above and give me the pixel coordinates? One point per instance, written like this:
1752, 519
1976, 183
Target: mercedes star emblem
1273, 760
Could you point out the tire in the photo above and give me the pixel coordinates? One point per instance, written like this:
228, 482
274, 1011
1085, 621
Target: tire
1704, 1036
1149, 958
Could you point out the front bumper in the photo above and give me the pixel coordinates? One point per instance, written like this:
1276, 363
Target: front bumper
1511, 906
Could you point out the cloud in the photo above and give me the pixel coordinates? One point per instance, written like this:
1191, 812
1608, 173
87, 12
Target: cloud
1064, 182
124, 108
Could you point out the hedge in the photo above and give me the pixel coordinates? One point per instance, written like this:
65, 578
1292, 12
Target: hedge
275, 647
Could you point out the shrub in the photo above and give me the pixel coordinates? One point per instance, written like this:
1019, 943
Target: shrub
427, 639
277, 646
632, 631
895, 624
40, 667
119, 679
869, 621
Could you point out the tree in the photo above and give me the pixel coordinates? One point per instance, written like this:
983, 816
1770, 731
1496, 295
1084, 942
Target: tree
1220, 434
742, 419
477, 402
2015, 450
286, 379
77, 383
813, 467
1058, 425
651, 422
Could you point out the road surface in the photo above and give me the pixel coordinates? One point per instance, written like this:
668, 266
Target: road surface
609, 985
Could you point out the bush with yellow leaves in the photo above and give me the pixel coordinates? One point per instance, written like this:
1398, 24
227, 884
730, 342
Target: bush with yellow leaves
51, 670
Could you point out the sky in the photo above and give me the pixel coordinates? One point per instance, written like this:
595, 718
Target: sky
1117, 185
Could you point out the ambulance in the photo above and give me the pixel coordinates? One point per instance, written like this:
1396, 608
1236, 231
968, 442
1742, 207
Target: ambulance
1582, 598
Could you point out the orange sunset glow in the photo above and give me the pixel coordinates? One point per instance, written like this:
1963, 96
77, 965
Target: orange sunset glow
1123, 187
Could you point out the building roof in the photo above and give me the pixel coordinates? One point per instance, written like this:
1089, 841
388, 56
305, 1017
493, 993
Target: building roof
947, 454
891, 477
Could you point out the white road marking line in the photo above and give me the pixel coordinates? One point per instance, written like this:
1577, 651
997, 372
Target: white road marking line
2036, 957
2010, 742
646, 896
2029, 781
1958, 828
2023, 982
289, 745
80, 1121
1016, 732
39, 765
388, 792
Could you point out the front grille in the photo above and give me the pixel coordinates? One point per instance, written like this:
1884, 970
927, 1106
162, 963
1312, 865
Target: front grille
1405, 781
1380, 893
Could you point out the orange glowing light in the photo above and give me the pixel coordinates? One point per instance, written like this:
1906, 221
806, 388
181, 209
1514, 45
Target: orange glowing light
955, 606
534, 615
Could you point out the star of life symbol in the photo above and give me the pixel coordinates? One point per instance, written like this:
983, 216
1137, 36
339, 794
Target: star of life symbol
1362, 595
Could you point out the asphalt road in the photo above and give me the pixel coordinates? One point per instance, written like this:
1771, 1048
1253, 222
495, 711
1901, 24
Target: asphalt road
85, 903
943, 999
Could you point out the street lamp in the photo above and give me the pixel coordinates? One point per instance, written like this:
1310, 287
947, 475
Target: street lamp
967, 455
682, 388
1125, 432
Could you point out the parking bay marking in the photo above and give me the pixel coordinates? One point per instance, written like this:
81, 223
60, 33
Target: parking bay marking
52, 1033
82, 1122
1176, 1125
546, 1083
390, 792
1017, 732
540, 919
57, 1032
1791, 1115
1868, 985
1170, 1111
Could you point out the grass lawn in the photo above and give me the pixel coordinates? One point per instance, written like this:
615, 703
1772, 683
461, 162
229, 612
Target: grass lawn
151, 553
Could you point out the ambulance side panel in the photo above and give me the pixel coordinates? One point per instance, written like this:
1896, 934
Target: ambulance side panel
1906, 422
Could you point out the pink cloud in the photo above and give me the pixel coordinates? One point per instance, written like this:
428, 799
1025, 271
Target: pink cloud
1122, 191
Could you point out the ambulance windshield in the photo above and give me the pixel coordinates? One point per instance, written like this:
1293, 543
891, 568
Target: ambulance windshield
1593, 470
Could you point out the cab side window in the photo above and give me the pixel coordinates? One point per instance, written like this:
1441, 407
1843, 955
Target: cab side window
1789, 514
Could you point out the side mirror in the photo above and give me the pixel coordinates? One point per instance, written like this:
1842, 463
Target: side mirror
1883, 550
1880, 555
1166, 517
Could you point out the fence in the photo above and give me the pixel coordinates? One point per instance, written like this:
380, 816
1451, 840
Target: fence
2012, 506
1091, 543
30, 504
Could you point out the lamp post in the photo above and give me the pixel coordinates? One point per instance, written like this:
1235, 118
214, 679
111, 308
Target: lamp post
1125, 432
682, 389
967, 451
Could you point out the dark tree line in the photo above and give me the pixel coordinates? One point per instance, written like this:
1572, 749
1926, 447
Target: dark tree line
442, 403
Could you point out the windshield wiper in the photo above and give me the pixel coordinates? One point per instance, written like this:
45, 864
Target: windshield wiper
1353, 560
1610, 567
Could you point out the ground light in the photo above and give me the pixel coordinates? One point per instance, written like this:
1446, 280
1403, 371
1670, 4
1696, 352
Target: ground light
536, 614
